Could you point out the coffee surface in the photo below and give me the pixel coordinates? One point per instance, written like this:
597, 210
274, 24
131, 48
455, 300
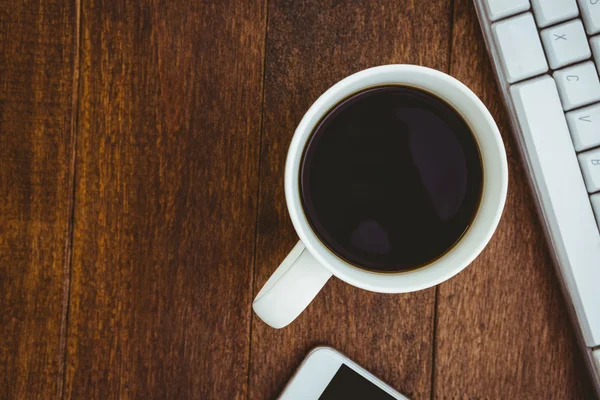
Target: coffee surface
391, 178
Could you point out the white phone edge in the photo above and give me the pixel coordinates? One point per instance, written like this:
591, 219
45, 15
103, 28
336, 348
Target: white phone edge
318, 369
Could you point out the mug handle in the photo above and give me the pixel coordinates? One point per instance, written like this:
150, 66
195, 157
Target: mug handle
291, 288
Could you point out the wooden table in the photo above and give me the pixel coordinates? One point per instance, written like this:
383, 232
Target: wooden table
142, 148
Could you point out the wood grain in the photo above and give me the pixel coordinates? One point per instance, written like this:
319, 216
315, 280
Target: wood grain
176, 205
37, 57
310, 46
166, 185
502, 326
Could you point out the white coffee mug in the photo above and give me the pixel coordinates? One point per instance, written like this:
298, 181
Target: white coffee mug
310, 263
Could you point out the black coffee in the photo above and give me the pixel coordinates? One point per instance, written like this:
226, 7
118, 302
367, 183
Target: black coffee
391, 178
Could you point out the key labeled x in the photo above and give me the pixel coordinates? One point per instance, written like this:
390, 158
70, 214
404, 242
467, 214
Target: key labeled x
559, 37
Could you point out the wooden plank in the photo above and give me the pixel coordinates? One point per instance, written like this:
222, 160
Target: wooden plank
37, 58
165, 199
503, 330
311, 45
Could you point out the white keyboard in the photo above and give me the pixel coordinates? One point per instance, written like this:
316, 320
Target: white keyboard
546, 53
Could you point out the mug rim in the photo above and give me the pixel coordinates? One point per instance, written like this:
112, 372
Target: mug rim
495, 181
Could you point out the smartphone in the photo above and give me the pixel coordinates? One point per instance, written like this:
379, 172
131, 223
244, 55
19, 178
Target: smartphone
326, 374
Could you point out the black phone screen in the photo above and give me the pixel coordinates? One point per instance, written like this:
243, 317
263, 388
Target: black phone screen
349, 385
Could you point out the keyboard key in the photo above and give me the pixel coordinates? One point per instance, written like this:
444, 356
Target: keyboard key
555, 171
519, 47
566, 44
595, 199
595, 44
497, 9
548, 12
590, 12
590, 167
584, 125
578, 85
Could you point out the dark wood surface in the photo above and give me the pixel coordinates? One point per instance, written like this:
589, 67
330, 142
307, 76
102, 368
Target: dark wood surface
37, 76
142, 147
165, 199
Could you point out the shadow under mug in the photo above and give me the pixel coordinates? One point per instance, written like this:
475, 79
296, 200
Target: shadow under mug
310, 264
